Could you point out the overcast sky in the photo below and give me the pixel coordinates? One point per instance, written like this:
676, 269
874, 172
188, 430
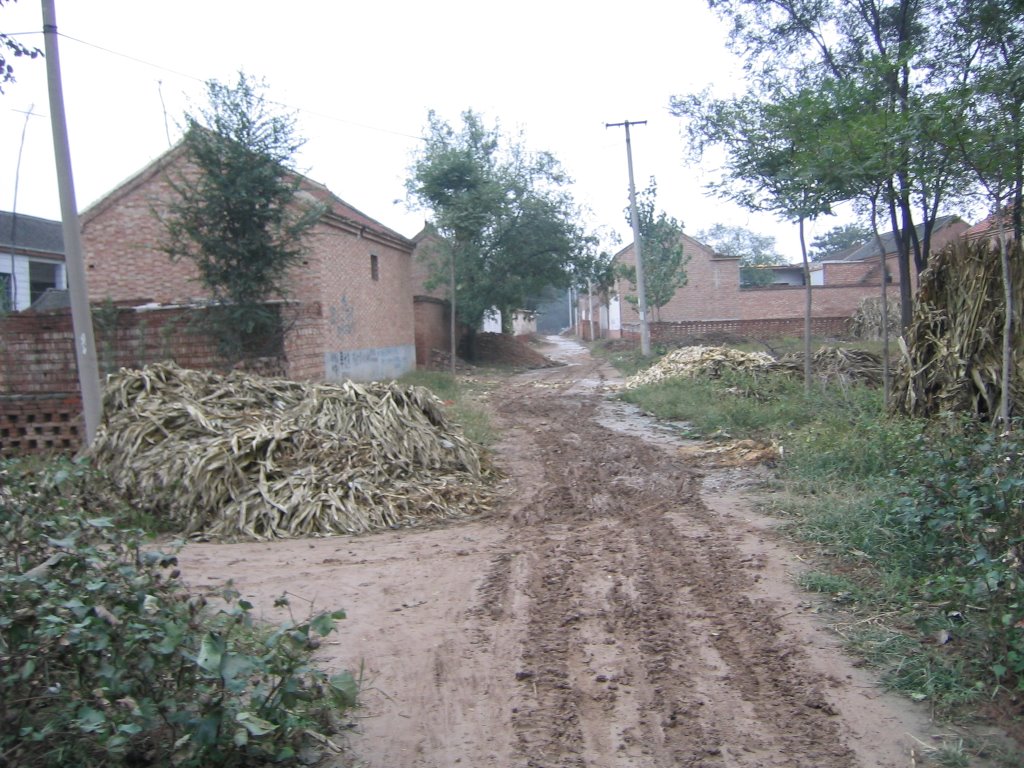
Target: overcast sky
361, 77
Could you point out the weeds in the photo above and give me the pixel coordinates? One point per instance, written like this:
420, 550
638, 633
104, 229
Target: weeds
920, 526
105, 658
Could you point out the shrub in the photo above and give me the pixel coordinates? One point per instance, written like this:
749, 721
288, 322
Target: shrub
105, 658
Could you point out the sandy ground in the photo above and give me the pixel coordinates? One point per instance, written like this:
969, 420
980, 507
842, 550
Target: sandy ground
621, 607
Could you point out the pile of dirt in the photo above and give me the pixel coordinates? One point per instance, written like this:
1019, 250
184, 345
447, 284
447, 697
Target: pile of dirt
244, 456
502, 349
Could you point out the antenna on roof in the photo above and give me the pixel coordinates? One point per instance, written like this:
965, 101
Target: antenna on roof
13, 298
159, 90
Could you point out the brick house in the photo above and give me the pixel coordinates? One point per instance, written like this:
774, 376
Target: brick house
353, 287
714, 299
31, 259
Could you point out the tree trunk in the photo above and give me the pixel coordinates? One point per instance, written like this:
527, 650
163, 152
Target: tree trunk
886, 379
808, 370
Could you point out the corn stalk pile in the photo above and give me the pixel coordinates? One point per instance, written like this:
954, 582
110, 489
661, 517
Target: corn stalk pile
838, 364
866, 322
692, 362
243, 456
952, 352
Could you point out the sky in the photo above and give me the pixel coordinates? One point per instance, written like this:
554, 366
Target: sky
360, 79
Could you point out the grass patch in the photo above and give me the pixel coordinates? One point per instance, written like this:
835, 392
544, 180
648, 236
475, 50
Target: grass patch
919, 527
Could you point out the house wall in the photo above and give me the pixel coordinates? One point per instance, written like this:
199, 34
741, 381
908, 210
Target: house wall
355, 279
433, 329
713, 292
121, 239
16, 266
363, 284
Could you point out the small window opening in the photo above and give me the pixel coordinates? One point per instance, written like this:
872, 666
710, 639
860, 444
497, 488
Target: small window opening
374, 267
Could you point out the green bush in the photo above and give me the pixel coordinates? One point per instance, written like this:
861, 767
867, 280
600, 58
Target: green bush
963, 498
105, 658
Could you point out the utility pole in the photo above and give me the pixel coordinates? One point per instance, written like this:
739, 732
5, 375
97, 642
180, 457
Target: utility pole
81, 319
634, 218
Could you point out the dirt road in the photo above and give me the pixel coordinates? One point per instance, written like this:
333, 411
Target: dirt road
620, 608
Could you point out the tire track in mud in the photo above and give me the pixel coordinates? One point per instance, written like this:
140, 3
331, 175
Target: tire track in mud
639, 645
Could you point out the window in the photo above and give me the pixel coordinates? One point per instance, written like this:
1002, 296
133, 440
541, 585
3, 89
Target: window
374, 267
42, 275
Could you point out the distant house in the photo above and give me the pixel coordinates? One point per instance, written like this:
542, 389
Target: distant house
715, 298
353, 287
862, 264
31, 259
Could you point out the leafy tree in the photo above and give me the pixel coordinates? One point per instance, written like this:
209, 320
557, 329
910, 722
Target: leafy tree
752, 249
236, 215
664, 258
838, 239
11, 47
509, 223
775, 161
890, 53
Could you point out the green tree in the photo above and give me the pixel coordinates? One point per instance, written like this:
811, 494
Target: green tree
775, 161
752, 249
838, 239
509, 223
11, 47
236, 215
891, 53
664, 258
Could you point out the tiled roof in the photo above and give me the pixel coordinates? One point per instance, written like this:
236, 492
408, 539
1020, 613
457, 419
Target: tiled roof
869, 249
31, 233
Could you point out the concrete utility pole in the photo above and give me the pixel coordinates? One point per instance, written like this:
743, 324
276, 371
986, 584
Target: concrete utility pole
641, 284
81, 319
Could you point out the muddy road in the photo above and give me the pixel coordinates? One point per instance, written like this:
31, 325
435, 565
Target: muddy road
620, 607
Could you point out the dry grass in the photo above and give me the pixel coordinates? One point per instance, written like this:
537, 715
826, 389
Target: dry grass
244, 456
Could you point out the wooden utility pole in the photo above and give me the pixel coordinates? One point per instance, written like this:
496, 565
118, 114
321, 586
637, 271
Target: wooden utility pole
634, 218
81, 319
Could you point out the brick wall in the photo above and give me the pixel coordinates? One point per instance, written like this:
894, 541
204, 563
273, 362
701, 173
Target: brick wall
356, 271
40, 424
667, 333
433, 328
40, 405
713, 292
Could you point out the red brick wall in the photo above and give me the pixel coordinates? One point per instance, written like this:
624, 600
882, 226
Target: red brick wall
713, 292
40, 405
433, 328
121, 238
666, 333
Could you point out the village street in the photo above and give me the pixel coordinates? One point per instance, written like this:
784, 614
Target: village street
619, 607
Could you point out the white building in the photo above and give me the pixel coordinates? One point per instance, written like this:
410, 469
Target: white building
31, 259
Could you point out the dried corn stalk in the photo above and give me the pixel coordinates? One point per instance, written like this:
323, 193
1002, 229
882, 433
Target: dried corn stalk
692, 362
866, 322
952, 352
240, 455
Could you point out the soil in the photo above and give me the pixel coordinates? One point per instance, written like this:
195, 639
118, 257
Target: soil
622, 606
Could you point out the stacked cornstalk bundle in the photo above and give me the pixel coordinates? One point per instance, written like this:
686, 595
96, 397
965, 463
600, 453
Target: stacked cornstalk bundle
952, 352
866, 322
243, 456
838, 364
710, 362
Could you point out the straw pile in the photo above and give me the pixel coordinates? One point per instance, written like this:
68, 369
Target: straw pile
866, 322
952, 352
838, 365
244, 456
831, 364
692, 362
